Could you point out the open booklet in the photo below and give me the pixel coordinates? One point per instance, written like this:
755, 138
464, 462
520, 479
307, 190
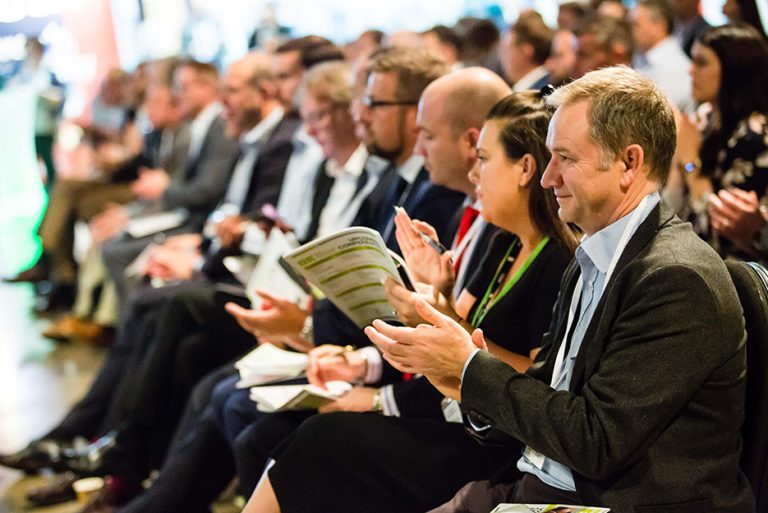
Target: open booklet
297, 397
269, 274
142, 226
546, 508
349, 267
268, 363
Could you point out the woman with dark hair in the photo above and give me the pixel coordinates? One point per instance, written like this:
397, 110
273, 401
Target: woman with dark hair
729, 156
376, 463
744, 11
527, 255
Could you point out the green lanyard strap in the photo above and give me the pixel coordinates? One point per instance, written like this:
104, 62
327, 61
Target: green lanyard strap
506, 263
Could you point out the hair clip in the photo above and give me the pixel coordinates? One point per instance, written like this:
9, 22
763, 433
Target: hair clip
546, 91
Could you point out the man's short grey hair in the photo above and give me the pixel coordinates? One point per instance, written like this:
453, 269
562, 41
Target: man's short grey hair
624, 108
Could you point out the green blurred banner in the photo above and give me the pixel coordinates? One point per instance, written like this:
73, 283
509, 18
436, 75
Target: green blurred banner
22, 195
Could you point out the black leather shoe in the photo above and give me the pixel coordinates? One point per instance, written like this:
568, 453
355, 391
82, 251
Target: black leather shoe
37, 455
55, 491
95, 459
59, 299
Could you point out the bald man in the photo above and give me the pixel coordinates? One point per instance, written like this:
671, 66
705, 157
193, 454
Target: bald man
450, 115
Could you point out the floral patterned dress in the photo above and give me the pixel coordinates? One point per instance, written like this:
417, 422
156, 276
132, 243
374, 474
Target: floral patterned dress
743, 164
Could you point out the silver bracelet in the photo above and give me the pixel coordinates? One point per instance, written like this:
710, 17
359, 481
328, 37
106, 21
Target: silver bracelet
308, 329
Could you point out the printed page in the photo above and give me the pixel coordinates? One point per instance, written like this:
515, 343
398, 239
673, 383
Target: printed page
349, 267
268, 363
297, 397
270, 276
148, 225
546, 508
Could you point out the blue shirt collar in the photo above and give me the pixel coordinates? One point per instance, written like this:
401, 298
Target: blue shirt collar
601, 246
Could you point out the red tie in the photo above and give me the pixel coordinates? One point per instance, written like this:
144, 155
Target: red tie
467, 218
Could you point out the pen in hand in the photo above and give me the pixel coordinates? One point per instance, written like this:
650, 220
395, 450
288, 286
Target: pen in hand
434, 244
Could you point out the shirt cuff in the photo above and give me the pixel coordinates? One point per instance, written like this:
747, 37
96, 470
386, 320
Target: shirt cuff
388, 405
374, 367
466, 364
198, 264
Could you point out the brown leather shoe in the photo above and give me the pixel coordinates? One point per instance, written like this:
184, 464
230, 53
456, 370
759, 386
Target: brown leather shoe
35, 274
69, 327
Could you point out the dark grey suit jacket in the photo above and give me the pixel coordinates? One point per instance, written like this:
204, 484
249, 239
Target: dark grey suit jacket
269, 168
205, 177
651, 423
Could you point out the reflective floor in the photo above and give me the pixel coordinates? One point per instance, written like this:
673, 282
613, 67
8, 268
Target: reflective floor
39, 381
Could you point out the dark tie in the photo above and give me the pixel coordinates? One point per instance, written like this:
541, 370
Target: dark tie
398, 187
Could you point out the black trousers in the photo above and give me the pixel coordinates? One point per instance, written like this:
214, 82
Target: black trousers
172, 337
353, 462
101, 409
194, 335
199, 463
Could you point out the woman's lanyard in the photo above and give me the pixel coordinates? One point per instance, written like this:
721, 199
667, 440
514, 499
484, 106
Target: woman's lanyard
492, 294
634, 221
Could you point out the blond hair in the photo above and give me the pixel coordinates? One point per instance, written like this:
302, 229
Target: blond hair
624, 108
330, 81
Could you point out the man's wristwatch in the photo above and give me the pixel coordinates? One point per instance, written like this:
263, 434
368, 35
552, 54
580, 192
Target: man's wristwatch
376, 406
307, 332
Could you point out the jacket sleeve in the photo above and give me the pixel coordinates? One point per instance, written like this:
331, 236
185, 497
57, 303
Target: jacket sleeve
671, 331
205, 189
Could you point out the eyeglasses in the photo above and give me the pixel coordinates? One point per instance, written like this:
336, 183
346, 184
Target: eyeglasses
374, 104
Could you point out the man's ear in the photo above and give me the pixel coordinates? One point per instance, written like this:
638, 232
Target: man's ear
529, 170
619, 54
528, 50
468, 145
268, 89
632, 160
471, 135
411, 121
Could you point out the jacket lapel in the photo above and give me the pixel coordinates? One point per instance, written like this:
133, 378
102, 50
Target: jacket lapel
598, 332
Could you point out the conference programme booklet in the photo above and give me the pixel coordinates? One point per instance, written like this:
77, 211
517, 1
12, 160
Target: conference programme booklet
349, 267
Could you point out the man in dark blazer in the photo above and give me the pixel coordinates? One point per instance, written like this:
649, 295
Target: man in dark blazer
636, 401
211, 155
523, 52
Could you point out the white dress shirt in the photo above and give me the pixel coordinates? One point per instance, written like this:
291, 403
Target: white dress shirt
199, 127
667, 65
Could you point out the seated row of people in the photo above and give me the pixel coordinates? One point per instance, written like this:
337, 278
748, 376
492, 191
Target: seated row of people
430, 142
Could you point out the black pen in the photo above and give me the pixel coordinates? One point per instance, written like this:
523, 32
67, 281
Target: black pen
434, 244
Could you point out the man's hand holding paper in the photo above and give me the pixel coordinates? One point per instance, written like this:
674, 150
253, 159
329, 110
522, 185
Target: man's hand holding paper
357, 399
